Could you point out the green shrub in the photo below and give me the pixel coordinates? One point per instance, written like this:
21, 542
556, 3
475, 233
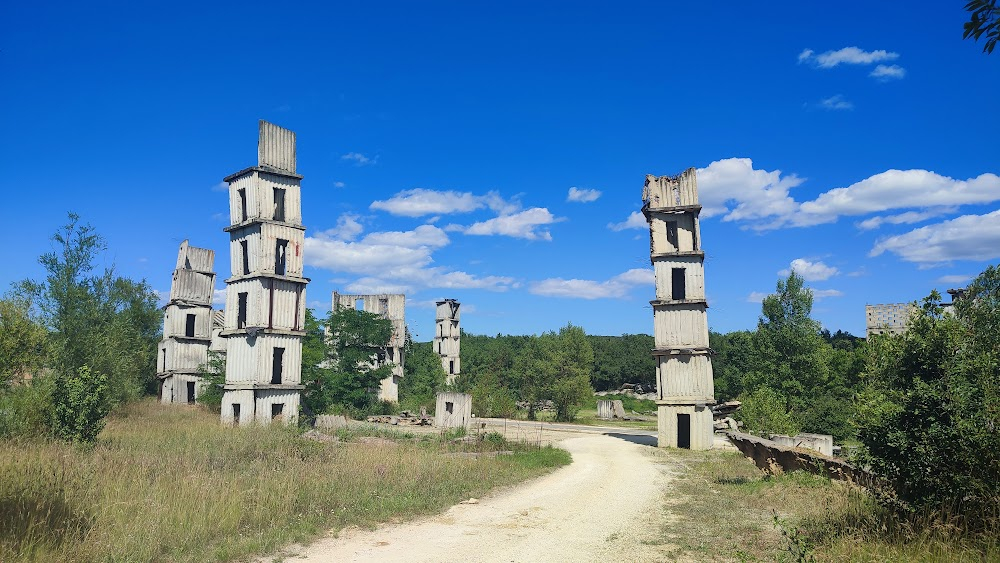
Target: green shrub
24, 409
80, 402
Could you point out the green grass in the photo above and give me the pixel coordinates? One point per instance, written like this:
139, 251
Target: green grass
723, 508
170, 483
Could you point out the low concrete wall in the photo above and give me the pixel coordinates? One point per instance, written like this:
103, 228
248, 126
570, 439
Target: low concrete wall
608, 410
775, 458
822, 443
453, 410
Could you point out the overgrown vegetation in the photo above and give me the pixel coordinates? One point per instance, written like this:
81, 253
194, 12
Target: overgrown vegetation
723, 508
169, 483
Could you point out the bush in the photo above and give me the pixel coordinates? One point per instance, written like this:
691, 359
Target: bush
80, 402
765, 411
24, 409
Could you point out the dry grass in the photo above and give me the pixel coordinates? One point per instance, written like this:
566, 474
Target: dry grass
169, 483
725, 509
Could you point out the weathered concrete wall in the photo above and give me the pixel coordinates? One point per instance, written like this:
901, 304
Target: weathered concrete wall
610, 409
822, 443
774, 458
447, 337
393, 307
702, 427
453, 410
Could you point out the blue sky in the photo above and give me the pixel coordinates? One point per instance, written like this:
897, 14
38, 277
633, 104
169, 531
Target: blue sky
495, 152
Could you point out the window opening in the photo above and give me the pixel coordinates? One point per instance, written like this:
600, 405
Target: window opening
449, 407
359, 304
164, 359
677, 283
242, 192
280, 252
383, 305
236, 414
189, 326
241, 311
190, 390
451, 367
279, 204
277, 365
246, 257
672, 234
276, 410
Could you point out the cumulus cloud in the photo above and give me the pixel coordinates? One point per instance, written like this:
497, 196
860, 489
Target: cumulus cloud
359, 159
221, 187
955, 279
391, 261
617, 287
734, 189
583, 195
837, 102
339, 184
898, 189
524, 224
847, 55
634, 221
824, 293
810, 271
756, 297
419, 202
888, 72
907, 218
219, 298
969, 237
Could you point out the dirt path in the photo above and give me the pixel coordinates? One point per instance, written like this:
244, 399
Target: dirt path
599, 508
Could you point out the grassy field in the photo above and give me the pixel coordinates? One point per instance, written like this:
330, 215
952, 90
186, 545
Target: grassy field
169, 483
725, 509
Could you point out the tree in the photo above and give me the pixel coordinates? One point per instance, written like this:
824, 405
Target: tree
356, 340
423, 375
106, 322
80, 401
22, 342
213, 376
929, 411
556, 367
984, 20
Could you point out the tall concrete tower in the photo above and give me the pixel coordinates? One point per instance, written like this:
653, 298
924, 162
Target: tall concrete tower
266, 295
447, 337
187, 326
684, 384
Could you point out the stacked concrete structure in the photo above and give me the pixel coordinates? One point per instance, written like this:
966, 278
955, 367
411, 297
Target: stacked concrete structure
187, 326
447, 337
389, 306
453, 410
684, 384
888, 318
266, 295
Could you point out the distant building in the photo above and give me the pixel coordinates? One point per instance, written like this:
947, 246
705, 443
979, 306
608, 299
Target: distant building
447, 337
390, 306
894, 318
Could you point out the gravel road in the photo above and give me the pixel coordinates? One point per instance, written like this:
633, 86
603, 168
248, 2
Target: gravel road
599, 508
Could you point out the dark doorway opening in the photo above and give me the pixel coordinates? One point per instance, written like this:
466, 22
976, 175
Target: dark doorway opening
236, 415
243, 204
241, 311
279, 204
677, 283
276, 410
190, 390
451, 367
684, 431
276, 365
280, 250
246, 256
189, 326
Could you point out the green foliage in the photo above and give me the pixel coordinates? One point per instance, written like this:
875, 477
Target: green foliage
338, 362
984, 18
22, 342
103, 321
929, 411
25, 409
80, 401
622, 359
490, 399
556, 367
213, 374
765, 411
423, 376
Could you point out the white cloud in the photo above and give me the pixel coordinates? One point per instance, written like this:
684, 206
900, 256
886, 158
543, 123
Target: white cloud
617, 287
419, 202
391, 261
824, 293
958, 279
221, 187
898, 189
810, 271
906, 218
756, 297
635, 221
339, 184
524, 224
732, 188
219, 298
888, 72
359, 159
837, 102
583, 195
847, 55
969, 237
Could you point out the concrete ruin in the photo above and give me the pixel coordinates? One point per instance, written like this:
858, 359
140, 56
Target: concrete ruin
266, 295
447, 338
888, 318
822, 443
389, 306
187, 326
608, 409
684, 385
453, 410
